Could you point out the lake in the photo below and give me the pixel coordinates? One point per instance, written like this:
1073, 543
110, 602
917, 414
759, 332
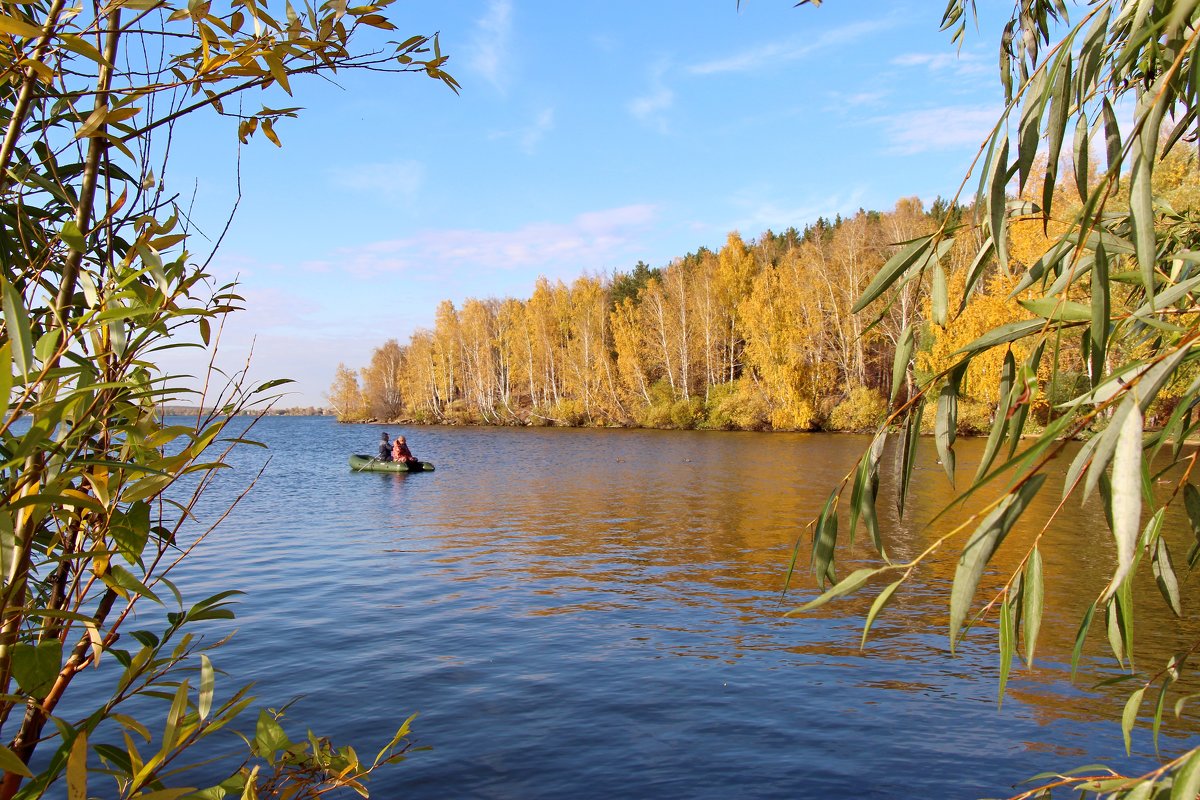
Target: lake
597, 613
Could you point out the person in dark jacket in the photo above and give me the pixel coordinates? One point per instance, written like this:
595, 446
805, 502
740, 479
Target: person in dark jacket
385, 447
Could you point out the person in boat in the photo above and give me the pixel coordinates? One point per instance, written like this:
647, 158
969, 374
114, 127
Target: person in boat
401, 453
385, 447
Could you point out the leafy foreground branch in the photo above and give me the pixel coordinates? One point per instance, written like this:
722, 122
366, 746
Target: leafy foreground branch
1115, 293
100, 496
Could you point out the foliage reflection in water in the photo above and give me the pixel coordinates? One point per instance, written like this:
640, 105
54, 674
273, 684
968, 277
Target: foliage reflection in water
597, 613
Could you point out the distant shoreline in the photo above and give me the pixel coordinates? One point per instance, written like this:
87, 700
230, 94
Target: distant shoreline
191, 411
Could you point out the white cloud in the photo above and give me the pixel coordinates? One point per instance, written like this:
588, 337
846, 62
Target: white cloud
651, 107
934, 129
792, 49
530, 136
589, 241
489, 47
960, 64
393, 180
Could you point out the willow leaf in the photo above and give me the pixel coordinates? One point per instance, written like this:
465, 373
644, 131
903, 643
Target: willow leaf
939, 296
1003, 334
852, 582
1056, 127
946, 426
824, 541
1129, 716
1141, 191
908, 453
1187, 778
982, 545
1081, 155
1058, 310
1126, 494
999, 426
975, 272
1156, 724
996, 205
16, 320
1112, 629
1033, 599
1112, 137
1081, 636
1101, 314
880, 603
1168, 297
1007, 647
1029, 129
1164, 576
904, 351
896, 266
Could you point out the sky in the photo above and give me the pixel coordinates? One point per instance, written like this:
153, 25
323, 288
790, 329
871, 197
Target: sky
588, 135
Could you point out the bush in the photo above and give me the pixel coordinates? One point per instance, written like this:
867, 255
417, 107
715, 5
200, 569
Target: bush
862, 409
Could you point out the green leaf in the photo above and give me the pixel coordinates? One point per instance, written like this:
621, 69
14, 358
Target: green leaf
122, 581
16, 319
36, 667
1081, 636
908, 452
207, 682
852, 582
6, 374
1164, 576
1126, 494
904, 351
880, 603
9, 762
1003, 334
1053, 308
269, 737
1081, 155
72, 237
975, 272
1000, 423
982, 545
1101, 315
1112, 137
939, 296
946, 424
996, 202
1129, 716
1033, 598
824, 540
1187, 778
896, 266
1008, 647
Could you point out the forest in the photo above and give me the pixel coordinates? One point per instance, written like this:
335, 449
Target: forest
759, 335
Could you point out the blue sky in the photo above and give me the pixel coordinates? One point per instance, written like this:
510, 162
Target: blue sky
588, 134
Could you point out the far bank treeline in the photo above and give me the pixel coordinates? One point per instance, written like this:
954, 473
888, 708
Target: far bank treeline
759, 335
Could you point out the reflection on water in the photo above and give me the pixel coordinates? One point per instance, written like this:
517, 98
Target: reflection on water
598, 613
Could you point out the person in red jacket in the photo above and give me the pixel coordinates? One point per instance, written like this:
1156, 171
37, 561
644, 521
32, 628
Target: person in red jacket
401, 453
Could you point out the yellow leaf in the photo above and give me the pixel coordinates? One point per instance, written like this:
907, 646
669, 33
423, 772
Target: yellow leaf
18, 27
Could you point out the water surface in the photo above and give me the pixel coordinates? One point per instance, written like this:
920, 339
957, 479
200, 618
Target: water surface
590, 614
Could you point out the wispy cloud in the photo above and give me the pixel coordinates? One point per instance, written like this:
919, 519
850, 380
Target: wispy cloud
652, 106
933, 129
962, 64
589, 241
792, 49
397, 181
530, 136
489, 46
